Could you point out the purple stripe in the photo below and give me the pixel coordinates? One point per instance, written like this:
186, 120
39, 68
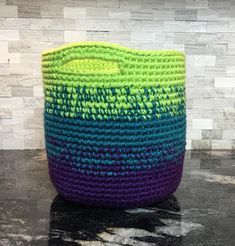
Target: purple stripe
119, 169
140, 188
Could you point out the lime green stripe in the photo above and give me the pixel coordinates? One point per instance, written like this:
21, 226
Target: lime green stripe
63, 48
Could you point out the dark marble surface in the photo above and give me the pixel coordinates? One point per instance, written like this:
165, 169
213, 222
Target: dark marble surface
201, 212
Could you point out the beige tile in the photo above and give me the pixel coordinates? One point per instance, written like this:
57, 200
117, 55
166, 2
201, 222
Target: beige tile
4, 52
52, 11
11, 103
7, 35
38, 91
14, 58
29, 11
21, 91
5, 90
74, 13
32, 102
4, 69
97, 13
33, 123
8, 11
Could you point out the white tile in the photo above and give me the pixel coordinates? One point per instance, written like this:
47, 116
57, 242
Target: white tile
221, 144
224, 82
196, 4
179, 47
151, 4
74, 36
145, 37
211, 15
188, 143
119, 14
229, 134
230, 70
164, 14
231, 49
224, 103
204, 103
232, 26
217, 26
97, 36
184, 26
141, 15
120, 37
13, 143
97, 25
108, 3
194, 134
201, 60
202, 123
174, 3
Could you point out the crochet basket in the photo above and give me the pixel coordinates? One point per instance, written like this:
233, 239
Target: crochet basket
114, 123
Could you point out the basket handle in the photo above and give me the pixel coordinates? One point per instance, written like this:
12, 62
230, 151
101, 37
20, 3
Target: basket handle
91, 66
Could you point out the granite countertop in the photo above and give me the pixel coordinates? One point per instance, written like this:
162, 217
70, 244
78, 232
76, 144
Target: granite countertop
201, 212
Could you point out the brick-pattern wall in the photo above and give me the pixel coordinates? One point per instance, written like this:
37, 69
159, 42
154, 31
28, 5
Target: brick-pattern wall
204, 29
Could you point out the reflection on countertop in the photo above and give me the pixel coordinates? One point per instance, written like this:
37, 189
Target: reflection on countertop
201, 211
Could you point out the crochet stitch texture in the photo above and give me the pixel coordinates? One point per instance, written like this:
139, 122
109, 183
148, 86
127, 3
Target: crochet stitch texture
114, 123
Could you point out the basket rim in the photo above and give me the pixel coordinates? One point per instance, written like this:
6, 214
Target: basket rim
111, 45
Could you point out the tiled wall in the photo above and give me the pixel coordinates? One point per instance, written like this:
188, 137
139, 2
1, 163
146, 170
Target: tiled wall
204, 29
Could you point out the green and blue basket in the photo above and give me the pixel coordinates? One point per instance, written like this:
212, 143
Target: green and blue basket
115, 123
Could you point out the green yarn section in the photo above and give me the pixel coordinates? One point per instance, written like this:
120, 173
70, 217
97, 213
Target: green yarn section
100, 80
90, 66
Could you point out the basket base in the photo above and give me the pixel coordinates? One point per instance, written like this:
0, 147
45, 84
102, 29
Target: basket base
139, 189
